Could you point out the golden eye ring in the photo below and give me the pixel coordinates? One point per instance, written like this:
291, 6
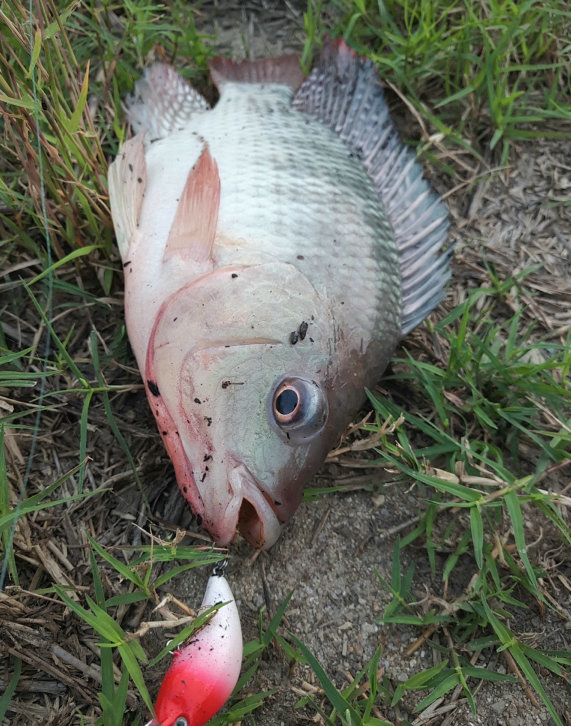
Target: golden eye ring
298, 408
287, 404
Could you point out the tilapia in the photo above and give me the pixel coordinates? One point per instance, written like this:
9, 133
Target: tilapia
275, 249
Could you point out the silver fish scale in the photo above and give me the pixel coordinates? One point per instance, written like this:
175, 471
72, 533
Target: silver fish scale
291, 191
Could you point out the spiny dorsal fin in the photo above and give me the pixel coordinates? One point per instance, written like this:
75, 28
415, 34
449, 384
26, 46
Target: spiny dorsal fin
193, 229
285, 70
343, 91
162, 102
127, 183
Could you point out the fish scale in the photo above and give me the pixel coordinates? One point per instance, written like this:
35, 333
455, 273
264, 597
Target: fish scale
276, 173
276, 248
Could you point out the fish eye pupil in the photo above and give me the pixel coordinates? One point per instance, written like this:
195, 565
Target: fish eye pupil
287, 401
181, 721
297, 407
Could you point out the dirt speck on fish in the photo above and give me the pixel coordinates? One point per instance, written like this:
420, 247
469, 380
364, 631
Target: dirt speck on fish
278, 247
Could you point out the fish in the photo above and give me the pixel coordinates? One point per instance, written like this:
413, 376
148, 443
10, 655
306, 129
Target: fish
205, 670
276, 248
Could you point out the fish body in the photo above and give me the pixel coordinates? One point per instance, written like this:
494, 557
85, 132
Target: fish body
276, 248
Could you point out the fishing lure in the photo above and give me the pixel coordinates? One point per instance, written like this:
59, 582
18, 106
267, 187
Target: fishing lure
204, 671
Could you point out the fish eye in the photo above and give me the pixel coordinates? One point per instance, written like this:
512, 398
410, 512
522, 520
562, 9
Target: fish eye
298, 407
181, 721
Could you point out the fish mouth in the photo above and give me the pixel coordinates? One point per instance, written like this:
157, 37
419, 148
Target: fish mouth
252, 510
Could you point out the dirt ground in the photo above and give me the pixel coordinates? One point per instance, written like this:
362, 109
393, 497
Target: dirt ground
329, 554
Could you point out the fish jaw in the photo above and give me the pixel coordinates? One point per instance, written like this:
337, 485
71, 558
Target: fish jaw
258, 521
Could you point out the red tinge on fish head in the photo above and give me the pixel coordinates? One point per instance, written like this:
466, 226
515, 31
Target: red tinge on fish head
275, 249
204, 672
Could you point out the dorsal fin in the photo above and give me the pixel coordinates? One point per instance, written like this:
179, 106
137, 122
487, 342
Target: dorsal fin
285, 70
344, 92
127, 180
193, 229
162, 102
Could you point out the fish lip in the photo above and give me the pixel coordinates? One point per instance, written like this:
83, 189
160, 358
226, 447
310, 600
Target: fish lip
247, 487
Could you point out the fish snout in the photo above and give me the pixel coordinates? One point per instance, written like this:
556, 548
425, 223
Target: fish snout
243, 503
256, 516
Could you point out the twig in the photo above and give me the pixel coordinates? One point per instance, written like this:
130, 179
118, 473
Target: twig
320, 526
512, 665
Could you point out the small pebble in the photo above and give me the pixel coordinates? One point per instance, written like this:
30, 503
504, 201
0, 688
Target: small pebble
499, 706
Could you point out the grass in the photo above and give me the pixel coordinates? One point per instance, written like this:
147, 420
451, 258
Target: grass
484, 424
487, 401
483, 75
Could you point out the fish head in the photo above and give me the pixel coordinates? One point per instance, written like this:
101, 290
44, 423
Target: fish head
239, 375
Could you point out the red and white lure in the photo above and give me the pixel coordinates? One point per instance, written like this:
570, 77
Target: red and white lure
204, 672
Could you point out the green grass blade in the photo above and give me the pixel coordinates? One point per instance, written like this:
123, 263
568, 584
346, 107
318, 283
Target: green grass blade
343, 707
109, 413
5, 514
125, 571
35, 503
74, 255
439, 690
514, 509
10, 688
477, 528
107, 695
419, 681
129, 655
508, 641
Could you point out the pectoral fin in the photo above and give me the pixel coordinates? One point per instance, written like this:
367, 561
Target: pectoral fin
194, 226
127, 182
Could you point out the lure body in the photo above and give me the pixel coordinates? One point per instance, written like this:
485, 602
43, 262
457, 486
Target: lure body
204, 672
